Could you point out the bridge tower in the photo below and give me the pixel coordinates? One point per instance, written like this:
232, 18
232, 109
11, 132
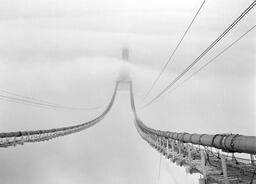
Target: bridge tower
125, 54
124, 74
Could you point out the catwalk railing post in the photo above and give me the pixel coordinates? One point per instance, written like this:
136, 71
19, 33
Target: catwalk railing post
224, 169
189, 153
172, 144
252, 159
167, 148
179, 147
203, 162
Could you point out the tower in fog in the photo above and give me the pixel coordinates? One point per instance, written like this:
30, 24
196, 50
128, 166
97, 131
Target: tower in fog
124, 74
125, 54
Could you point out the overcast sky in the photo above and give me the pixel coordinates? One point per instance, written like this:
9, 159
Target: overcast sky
69, 52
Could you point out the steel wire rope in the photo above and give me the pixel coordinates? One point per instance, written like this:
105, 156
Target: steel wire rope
204, 52
41, 103
50, 133
213, 59
174, 51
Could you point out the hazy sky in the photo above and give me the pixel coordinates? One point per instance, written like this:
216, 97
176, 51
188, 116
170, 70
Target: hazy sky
69, 52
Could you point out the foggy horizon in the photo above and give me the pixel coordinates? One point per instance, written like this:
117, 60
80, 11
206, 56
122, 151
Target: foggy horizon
70, 53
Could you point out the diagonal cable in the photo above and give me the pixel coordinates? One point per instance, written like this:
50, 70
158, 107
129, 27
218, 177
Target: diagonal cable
213, 59
174, 51
39, 102
204, 52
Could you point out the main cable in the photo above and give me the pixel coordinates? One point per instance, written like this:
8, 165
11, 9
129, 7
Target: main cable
20, 137
204, 52
38, 102
213, 59
174, 51
26, 97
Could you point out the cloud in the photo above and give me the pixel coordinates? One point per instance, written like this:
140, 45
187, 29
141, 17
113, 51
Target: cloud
70, 53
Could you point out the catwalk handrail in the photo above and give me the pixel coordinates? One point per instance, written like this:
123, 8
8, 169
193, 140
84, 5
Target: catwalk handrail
19, 137
226, 142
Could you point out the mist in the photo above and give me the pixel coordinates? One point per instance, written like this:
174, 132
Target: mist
69, 53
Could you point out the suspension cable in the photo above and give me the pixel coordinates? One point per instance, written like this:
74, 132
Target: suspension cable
20, 99
174, 51
20, 137
211, 60
25, 97
204, 52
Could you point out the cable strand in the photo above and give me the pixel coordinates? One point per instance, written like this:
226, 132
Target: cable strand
174, 51
204, 52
